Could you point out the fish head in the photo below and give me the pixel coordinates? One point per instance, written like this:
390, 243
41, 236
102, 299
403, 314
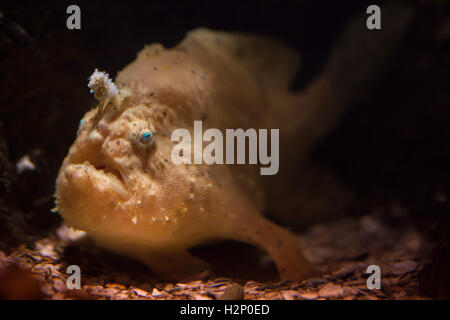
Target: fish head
118, 179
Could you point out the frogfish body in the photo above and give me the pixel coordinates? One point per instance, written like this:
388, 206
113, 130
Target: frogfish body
119, 184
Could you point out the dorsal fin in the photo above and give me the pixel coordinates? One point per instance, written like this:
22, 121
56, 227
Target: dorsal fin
271, 62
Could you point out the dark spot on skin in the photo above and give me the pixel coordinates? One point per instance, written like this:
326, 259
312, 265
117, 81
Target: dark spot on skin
118, 142
164, 113
163, 134
166, 160
193, 71
134, 124
155, 68
204, 116
152, 94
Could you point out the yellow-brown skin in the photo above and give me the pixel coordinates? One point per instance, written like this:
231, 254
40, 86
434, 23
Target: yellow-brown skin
131, 198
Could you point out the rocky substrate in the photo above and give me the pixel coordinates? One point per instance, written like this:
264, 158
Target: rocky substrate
342, 250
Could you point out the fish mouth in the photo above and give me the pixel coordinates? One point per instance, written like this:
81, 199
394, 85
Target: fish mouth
101, 175
110, 171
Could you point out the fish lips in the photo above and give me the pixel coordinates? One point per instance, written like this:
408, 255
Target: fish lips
100, 178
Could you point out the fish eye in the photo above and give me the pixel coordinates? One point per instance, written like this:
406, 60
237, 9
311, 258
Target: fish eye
146, 136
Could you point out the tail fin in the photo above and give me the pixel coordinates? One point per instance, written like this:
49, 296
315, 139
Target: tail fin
358, 60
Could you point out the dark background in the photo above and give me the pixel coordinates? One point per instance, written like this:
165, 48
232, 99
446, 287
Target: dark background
393, 148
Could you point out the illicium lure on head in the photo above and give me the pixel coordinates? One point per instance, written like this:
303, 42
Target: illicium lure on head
103, 88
